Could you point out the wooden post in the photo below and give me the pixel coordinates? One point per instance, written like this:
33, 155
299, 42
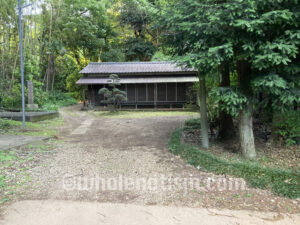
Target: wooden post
126, 92
155, 95
83, 96
203, 114
135, 93
176, 92
146, 92
166, 92
93, 96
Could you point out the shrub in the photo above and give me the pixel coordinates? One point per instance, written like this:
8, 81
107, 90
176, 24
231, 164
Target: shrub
57, 99
4, 125
12, 99
287, 126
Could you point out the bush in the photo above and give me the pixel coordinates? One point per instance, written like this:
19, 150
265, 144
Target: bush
4, 125
12, 99
282, 182
287, 127
57, 99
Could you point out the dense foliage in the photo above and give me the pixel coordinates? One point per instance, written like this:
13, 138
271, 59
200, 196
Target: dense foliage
286, 127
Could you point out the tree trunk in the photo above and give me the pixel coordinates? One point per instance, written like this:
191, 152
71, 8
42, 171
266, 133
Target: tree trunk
53, 70
245, 115
50, 73
246, 133
226, 129
203, 114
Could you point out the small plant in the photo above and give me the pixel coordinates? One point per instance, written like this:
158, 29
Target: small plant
248, 195
112, 95
236, 196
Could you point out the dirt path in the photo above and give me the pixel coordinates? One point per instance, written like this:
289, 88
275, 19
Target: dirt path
126, 160
79, 213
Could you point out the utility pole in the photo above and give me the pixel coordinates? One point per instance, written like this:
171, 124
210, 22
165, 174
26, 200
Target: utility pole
22, 63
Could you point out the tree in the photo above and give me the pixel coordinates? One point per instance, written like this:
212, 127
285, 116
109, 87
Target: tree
112, 95
256, 37
137, 15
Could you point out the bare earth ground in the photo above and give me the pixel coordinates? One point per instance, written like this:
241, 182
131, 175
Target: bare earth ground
14, 141
93, 148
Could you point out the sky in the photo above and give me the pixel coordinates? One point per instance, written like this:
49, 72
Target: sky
33, 9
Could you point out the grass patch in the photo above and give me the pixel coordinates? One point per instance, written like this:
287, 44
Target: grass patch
193, 123
281, 181
41, 128
6, 160
143, 114
6, 156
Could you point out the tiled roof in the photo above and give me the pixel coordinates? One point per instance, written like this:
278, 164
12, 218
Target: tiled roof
140, 80
134, 68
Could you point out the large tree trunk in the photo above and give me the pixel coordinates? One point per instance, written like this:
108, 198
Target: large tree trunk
203, 114
246, 133
226, 129
245, 116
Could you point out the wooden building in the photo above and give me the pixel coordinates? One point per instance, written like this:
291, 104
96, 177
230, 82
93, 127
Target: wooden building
151, 84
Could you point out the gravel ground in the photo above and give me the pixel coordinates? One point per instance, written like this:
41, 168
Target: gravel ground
109, 160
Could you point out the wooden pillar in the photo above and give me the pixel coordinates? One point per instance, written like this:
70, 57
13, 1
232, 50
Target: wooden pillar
176, 92
83, 96
146, 92
166, 92
89, 94
93, 95
135, 93
155, 95
126, 92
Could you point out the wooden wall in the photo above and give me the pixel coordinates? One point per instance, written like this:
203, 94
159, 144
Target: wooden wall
146, 93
